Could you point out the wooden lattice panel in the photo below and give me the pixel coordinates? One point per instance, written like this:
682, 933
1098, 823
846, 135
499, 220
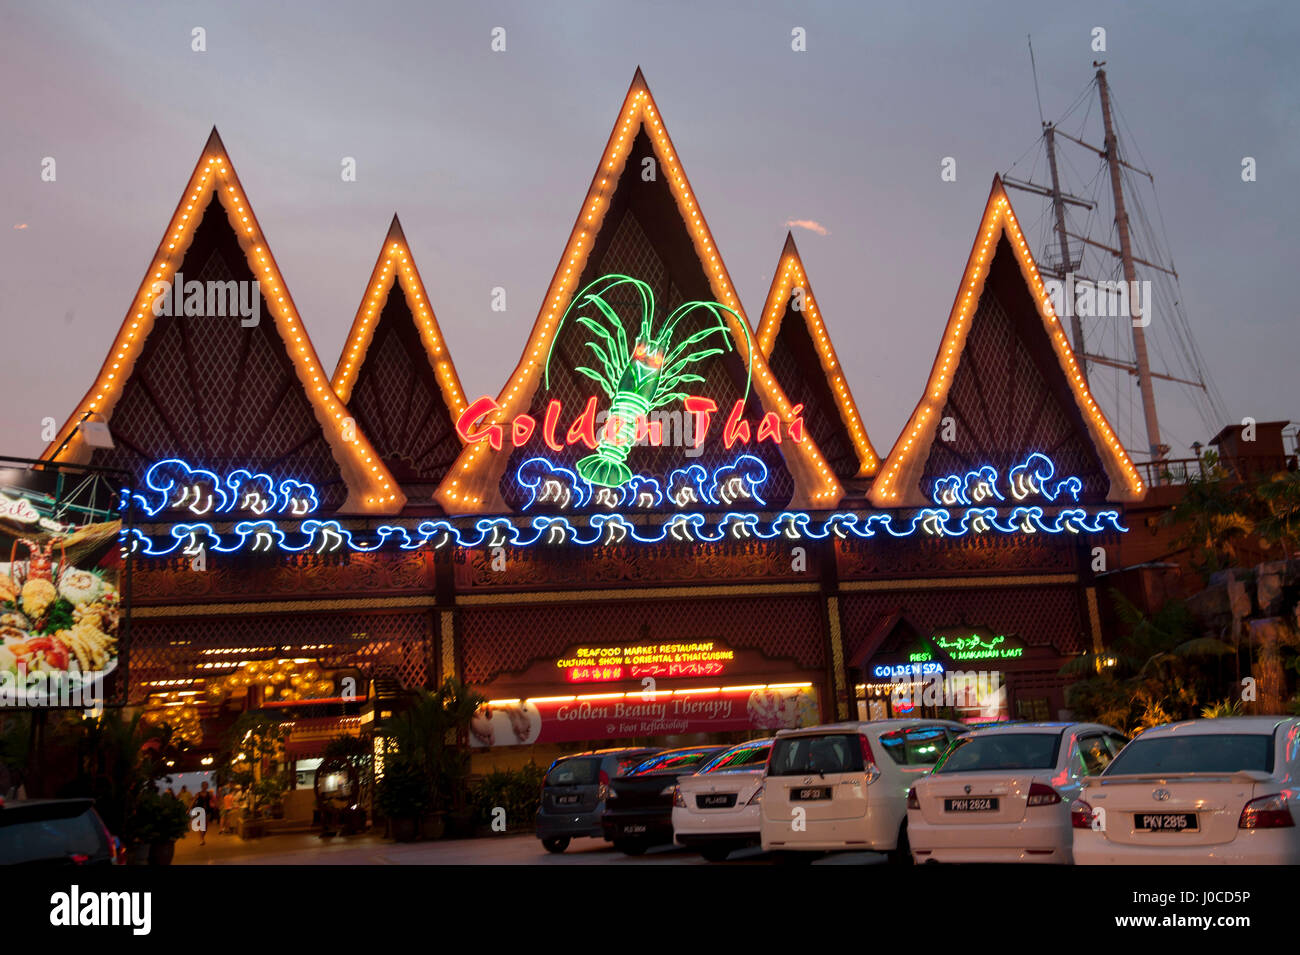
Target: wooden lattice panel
795, 365
1051, 615
216, 393
1009, 397
391, 643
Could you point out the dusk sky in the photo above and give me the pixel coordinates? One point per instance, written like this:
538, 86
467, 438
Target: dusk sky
486, 157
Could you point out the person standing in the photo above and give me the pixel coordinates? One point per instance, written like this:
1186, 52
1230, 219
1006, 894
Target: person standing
204, 800
186, 797
228, 803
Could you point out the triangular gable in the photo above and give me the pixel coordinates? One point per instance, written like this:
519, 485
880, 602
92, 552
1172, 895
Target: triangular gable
369, 487
473, 486
900, 478
396, 375
830, 411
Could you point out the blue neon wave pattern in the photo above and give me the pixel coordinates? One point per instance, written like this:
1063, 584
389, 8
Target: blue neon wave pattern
966, 505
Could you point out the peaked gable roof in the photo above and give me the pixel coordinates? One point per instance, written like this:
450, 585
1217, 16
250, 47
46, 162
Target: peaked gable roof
473, 485
899, 481
396, 374
198, 419
840, 421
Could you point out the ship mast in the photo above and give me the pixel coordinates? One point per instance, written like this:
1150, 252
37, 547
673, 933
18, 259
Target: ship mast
1111, 152
1067, 264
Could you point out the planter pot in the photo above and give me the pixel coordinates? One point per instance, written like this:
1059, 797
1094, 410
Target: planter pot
161, 853
251, 828
354, 821
461, 825
404, 828
433, 826
138, 854
277, 811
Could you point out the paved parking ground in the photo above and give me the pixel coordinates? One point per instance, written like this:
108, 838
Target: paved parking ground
310, 849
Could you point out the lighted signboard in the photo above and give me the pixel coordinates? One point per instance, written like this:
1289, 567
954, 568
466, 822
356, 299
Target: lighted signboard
967, 643
657, 660
641, 363
61, 610
634, 714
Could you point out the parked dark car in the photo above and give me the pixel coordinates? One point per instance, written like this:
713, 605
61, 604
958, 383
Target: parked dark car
574, 792
55, 832
639, 810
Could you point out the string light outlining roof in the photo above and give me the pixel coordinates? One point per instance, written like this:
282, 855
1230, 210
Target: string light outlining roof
371, 488
898, 483
472, 485
790, 275
396, 263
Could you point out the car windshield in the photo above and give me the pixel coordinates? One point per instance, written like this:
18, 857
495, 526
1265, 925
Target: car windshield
972, 754
50, 839
804, 755
919, 746
748, 756
579, 771
672, 762
1226, 753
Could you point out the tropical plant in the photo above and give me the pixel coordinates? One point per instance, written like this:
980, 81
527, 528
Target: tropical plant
1150, 674
253, 749
155, 817
1280, 510
403, 791
1215, 516
517, 791
431, 733
1222, 708
120, 760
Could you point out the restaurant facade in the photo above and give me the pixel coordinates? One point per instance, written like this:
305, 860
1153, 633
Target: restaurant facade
669, 525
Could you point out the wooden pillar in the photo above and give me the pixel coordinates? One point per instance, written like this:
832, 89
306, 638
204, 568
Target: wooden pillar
839, 686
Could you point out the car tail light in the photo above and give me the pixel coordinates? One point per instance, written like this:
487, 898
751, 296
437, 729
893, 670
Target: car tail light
1266, 812
79, 858
869, 761
755, 799
912, 801
1041, 794
1080, 814
678, 799
602, 790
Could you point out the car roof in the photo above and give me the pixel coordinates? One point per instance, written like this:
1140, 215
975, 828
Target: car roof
863, 726
1261, 725
1053, 728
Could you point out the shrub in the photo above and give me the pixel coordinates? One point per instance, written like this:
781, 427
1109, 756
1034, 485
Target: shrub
517, 791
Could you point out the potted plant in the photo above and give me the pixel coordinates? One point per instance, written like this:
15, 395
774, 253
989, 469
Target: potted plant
156, 822
254, 747
404, 796
269, 793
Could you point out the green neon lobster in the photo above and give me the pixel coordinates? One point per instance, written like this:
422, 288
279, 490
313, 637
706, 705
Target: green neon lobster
645, 375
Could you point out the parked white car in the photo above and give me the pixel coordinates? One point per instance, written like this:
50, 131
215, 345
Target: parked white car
843, 786
1199, 792
1003, 793
717, 809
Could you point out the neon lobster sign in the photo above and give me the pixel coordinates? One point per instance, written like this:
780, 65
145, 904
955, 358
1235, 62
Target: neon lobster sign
652, 369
